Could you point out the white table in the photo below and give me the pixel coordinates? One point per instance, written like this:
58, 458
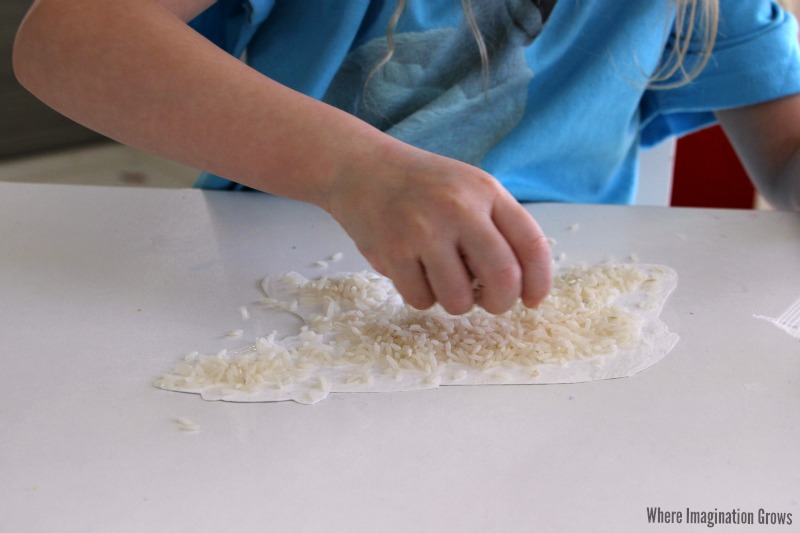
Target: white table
102, 289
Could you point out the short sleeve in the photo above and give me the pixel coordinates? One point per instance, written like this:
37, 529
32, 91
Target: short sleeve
755, 59
230, 24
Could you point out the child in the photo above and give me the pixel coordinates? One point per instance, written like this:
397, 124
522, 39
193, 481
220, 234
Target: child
420, 140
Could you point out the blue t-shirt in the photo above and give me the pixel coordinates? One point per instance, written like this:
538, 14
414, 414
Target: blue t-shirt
564, 107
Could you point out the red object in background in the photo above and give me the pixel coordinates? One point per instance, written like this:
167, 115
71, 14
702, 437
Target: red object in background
708, 173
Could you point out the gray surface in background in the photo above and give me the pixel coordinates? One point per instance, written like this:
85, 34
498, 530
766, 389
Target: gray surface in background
27, 126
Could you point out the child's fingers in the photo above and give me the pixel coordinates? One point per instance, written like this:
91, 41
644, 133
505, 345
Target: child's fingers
449, 278
410, 281
530, 247
494, 264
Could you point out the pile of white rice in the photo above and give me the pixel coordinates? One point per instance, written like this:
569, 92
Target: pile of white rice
359, 336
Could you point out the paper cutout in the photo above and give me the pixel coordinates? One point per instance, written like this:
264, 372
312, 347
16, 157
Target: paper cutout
382, 345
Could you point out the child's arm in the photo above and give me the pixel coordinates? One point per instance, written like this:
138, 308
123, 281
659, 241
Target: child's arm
133, 70
767, 138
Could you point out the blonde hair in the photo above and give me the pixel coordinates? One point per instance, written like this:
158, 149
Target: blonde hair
692, 17
392, 26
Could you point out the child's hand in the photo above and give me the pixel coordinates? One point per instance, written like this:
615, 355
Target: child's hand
435, 226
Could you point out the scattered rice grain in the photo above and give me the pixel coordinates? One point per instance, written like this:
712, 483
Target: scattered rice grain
184, 424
